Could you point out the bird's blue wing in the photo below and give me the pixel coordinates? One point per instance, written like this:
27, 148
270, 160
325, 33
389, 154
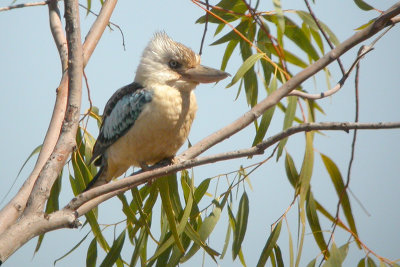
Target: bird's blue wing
120, 114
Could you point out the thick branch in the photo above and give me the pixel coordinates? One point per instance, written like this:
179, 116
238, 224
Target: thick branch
31, 226
381, 22
90, 199
66, 141
16, 206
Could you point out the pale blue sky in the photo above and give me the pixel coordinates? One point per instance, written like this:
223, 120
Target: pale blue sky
30, 73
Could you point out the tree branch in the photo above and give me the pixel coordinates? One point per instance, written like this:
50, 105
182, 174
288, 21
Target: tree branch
93, 197
58, 33
24, 5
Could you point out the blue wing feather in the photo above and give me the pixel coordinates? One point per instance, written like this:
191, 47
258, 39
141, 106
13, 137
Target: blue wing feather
124, 114
120, 114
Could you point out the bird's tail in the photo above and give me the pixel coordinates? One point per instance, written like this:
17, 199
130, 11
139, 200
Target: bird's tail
96, 181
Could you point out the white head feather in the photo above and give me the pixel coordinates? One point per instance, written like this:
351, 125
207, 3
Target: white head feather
154, 67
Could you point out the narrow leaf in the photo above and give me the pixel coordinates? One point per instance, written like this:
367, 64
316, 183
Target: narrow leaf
247, 64
205, 230
288, 121
92, 254
279, 13
336, 258
266, 117
241, 224
115, 251
167, 205
313, 221
338, 183
271, 242
363, 5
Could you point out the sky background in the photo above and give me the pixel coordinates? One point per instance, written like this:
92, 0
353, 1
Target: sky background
30, 72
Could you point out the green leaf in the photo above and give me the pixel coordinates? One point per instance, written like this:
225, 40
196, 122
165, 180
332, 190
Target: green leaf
241, 225
91, 218
288, 121
306, 17
180, 228
312, 263
140, 246
92, 254
205, 230
232, 35
291, 172
370, 262
279, 14
365, 25
337, 256
271, 242
338, 183
226, 243
317, 37
130, 215
266, 117
295, 33
306, 169
115, 251
313, 221
228, 53
198, 242
248, 64
167, 205
278, 255
363, 5
201, 190
236, 6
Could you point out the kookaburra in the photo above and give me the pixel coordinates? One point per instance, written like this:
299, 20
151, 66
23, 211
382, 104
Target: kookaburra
149, 120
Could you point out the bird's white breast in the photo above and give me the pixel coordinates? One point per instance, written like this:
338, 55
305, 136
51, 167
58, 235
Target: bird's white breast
160, 130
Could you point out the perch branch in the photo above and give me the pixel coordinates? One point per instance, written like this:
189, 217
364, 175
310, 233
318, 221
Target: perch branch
99, 194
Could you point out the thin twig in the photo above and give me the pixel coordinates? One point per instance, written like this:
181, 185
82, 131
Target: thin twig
205, 31
324, 34
353, 145
362, 52
109, 23
43, 3
89, 98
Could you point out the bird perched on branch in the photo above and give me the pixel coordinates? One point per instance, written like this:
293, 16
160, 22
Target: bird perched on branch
149, 120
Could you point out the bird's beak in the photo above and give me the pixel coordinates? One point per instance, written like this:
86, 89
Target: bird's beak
203, 74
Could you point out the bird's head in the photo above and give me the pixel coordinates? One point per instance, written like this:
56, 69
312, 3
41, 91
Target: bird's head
165, 61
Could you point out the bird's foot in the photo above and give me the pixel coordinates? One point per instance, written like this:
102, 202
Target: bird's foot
168, 161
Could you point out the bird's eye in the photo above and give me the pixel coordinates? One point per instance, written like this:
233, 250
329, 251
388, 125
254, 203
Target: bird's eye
173, 64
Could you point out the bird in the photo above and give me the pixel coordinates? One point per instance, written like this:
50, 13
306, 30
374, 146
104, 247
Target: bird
147, 121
